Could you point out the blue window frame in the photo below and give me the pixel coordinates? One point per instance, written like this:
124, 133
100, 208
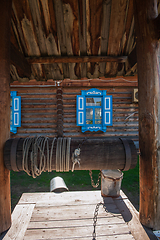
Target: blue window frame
94, 110
15, 119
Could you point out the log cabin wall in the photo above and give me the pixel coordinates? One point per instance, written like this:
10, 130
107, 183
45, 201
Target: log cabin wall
39, 110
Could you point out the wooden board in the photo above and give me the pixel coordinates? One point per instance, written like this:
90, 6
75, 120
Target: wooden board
20, 220
69, 215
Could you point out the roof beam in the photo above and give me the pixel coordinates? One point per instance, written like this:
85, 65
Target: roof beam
75, 59
19, 61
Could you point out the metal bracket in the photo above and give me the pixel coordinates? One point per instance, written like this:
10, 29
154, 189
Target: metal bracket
76, 157
13, 154
127, 154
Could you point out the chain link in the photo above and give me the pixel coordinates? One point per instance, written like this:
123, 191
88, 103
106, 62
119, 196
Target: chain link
95, 218
92, 182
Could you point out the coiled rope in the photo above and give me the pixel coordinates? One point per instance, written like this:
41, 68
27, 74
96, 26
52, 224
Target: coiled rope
63, 154
35, 148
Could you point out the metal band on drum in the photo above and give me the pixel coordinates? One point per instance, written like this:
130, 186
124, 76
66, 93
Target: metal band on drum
127, 154
13, 154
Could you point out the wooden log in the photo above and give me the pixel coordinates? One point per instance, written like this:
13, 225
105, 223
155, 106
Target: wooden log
5, 201
96, 153
148, 95
75, 59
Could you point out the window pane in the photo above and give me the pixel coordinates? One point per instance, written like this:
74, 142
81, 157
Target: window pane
98, 113
93, 101
89, 113
98, 121
89, 121
89, 116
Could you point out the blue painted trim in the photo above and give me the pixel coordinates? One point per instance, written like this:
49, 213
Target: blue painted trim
106, 110
15, 112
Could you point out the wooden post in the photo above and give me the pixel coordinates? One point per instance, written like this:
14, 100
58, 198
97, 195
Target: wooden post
5, 202
148, 86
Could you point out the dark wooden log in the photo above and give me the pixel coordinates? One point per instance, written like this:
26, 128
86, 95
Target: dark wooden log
5, 201
96, 153
148, 95
75, 59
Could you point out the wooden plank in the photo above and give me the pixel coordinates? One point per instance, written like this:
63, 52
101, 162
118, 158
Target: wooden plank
70, 14
63, 198
61, 33
148, 72
105, 33
76, 232
131, 216
107, 221
94, 29
82, 21
72, 212
117, 23
5, 200
119, 237
20, 220
128, 27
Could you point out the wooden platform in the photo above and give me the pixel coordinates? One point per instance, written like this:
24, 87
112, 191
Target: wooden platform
69, 215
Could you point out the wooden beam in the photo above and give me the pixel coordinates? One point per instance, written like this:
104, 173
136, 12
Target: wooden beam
75, 59
5, 26
148, 87
19, 61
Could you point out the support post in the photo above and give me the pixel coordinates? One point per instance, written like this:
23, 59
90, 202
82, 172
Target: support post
5, 201
148, 87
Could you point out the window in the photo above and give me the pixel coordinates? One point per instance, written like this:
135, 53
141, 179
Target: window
94, 110
15, 120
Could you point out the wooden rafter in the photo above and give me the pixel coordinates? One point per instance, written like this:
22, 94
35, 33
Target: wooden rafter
75, 59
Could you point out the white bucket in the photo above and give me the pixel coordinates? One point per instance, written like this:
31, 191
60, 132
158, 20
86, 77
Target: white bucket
111, 183
58, 185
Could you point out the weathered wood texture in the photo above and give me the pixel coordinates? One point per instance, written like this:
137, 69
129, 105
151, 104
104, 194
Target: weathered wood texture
75, 59
48, 222
96, 154
39, 109
75, 29
5, 201
148, 84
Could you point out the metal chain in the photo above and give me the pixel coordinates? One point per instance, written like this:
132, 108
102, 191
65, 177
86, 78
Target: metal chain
95, 218
92, 182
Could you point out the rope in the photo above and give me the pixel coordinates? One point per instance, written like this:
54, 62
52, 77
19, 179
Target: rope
63, 154
37, 145
35, 161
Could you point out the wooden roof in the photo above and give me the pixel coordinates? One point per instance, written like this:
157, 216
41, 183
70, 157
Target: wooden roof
72, 39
